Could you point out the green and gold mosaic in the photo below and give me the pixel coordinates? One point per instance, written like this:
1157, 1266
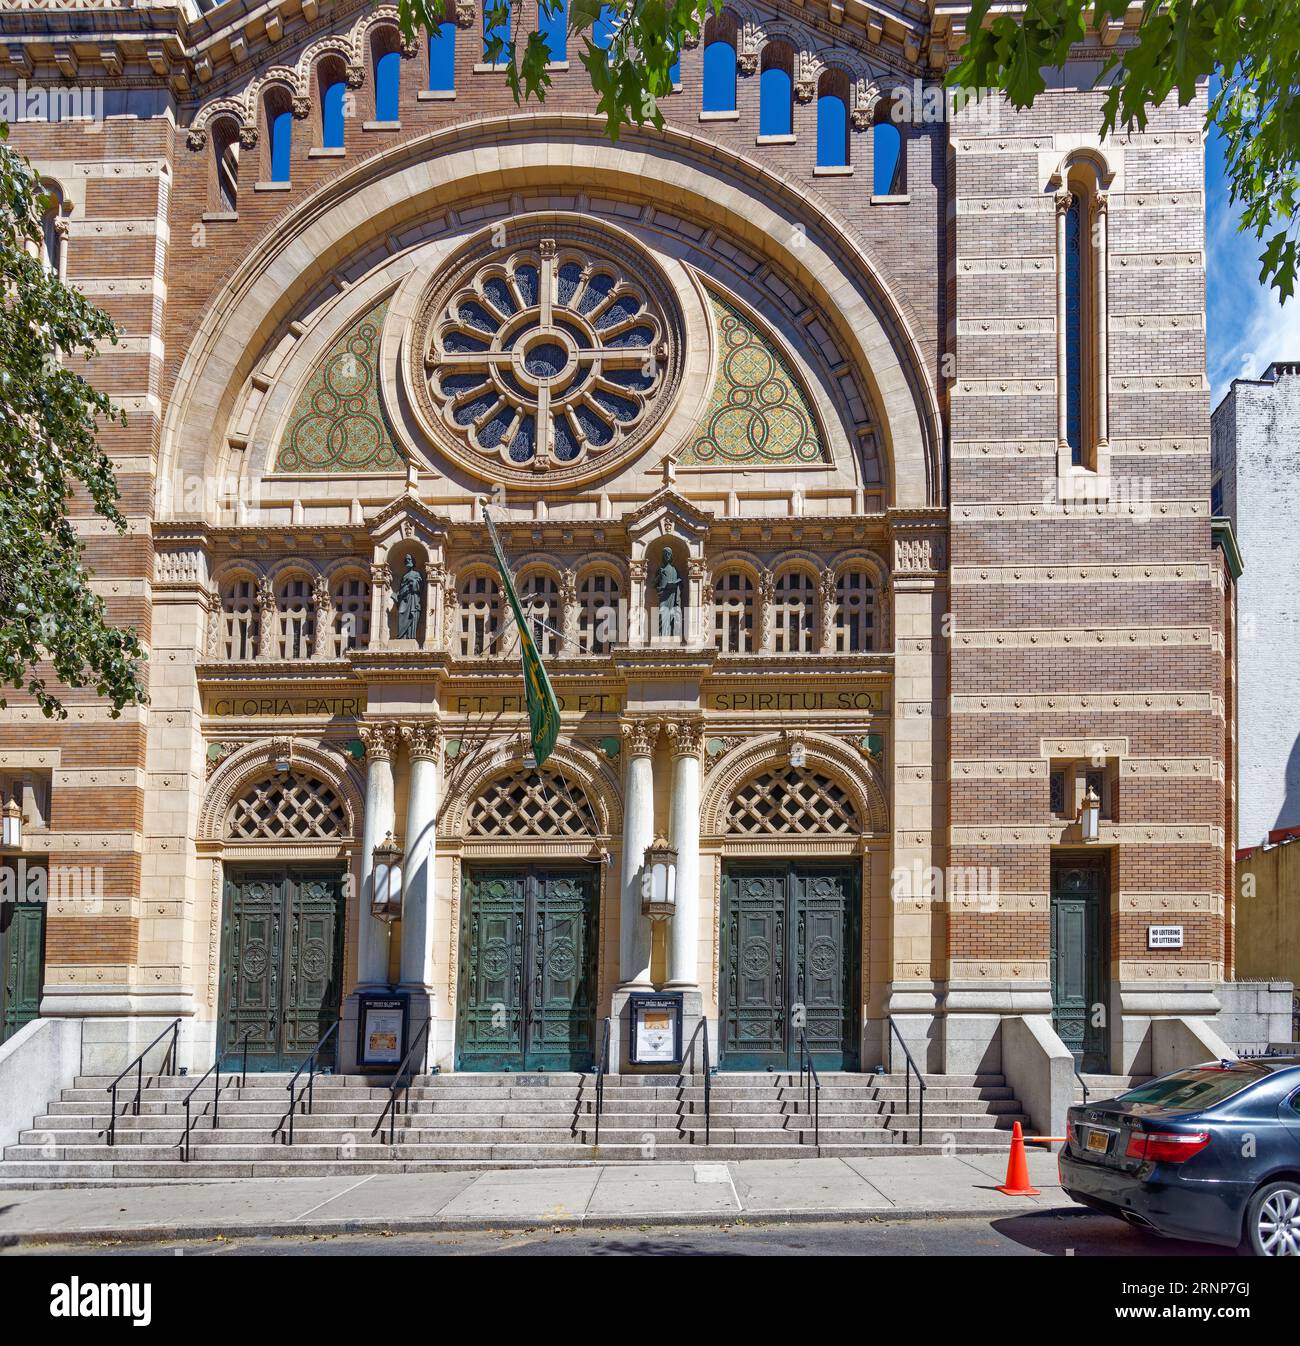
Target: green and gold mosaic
338, 423
759, 411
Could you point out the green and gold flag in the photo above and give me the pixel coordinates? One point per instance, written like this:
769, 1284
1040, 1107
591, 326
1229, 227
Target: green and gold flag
543, 709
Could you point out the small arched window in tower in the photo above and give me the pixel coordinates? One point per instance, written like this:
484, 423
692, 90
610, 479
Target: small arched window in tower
333, 103
442, 58
279, 121
388, 83
794, 607
598, 596
776, 91
733, 612
225, 165
854, 619
480, 615
540, 598
887, 158
51, 237
832, 120
554, 28
295, 613
720, 65
351, 596
496, 28
239, 618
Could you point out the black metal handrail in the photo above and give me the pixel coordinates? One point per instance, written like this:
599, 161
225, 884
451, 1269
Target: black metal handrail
912, 1068
169, 1065
708, 1073
602, 1068
402, 1084
1083, 1084
309, 1065
242, 1043
813, 1095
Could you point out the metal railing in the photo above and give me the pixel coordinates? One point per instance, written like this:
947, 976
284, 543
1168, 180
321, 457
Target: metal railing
813, 1093
1083, 1084
402, 1084
708, 1076
912, 1069
169, 1067
602, 1068
241, 1044
309, 1065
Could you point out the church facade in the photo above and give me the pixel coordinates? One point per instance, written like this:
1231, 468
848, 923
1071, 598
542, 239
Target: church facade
851, 454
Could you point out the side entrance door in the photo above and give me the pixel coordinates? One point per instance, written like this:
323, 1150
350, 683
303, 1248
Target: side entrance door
1080, 957
22, 964
281, 963
526, 996
790, 941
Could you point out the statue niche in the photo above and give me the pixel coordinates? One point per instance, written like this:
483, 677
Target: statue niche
407, 604
668, 594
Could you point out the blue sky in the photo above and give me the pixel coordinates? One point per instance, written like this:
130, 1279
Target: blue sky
1247, 327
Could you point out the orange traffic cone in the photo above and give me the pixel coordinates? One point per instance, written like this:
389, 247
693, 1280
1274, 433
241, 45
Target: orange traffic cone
1017, 1183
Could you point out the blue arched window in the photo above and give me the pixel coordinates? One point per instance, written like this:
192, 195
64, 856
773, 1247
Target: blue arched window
886, 159
442, 58
775, 102
332, 102
719, 77
1074, 336
832, 131
496, 30
281, 141
554, 27
388, 78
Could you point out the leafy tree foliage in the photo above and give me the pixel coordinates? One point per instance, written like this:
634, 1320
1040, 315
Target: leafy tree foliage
48, 421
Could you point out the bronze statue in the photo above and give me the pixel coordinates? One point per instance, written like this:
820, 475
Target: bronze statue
408, 601
668, 585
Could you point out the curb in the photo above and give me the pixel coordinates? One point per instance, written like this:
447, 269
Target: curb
475, 1224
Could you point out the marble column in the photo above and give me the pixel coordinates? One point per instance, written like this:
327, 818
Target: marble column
380, 819
638, 832
684, 836
424, 746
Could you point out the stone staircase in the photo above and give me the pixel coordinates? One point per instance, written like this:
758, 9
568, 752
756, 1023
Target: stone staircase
475, 1121
1101, 1087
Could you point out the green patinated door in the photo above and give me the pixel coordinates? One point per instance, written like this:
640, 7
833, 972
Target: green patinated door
281, 963
790, 939
526, 995
1080, 961
22, 964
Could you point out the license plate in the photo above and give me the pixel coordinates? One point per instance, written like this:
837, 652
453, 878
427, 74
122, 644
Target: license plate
1097, 1142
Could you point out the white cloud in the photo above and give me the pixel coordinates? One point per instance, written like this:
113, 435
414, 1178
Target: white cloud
1260, 331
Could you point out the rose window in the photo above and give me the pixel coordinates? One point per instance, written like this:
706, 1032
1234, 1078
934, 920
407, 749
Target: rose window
547, 354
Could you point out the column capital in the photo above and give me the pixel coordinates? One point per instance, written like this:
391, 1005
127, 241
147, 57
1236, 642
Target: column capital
424, 740
640, 736
685, 737
1064, 200
380, 739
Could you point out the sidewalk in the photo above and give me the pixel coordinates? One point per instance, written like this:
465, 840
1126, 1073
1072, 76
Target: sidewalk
888, 1188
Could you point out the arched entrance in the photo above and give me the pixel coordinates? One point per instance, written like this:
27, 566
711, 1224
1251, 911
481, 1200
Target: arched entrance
530, 925
285, 829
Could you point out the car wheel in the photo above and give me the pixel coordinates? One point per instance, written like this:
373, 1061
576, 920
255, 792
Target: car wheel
1273, 1220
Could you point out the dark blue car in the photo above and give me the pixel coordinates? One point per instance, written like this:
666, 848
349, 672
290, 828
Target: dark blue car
1210, 1153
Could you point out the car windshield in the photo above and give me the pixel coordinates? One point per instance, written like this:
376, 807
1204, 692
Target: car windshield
1201, 1087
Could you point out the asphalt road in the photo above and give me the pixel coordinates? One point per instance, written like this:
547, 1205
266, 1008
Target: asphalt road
1032, 1234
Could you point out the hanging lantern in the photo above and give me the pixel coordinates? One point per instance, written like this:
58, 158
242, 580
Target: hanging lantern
1090, 816
659, 881
11, 826
387, 879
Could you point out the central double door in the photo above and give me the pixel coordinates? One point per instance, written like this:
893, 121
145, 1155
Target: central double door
526, 996
791, 934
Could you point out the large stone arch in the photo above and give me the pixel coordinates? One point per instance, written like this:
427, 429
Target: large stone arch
254, 761
837, 759
765, 209
599, 784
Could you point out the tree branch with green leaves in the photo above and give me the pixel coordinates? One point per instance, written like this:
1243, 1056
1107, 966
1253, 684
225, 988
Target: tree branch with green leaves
49, 418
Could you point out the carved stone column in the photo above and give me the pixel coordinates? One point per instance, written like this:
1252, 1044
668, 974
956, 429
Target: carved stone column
569, 614
826, 612
435, 582
684, 834
424, 751
268, 626
697, 579
323, 642
639, 738
1100, 211
381, 582
380, 819
637, 633
1063, 202
764, 598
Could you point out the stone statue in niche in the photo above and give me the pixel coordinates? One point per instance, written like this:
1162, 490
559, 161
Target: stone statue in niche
408, 600
668, 585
